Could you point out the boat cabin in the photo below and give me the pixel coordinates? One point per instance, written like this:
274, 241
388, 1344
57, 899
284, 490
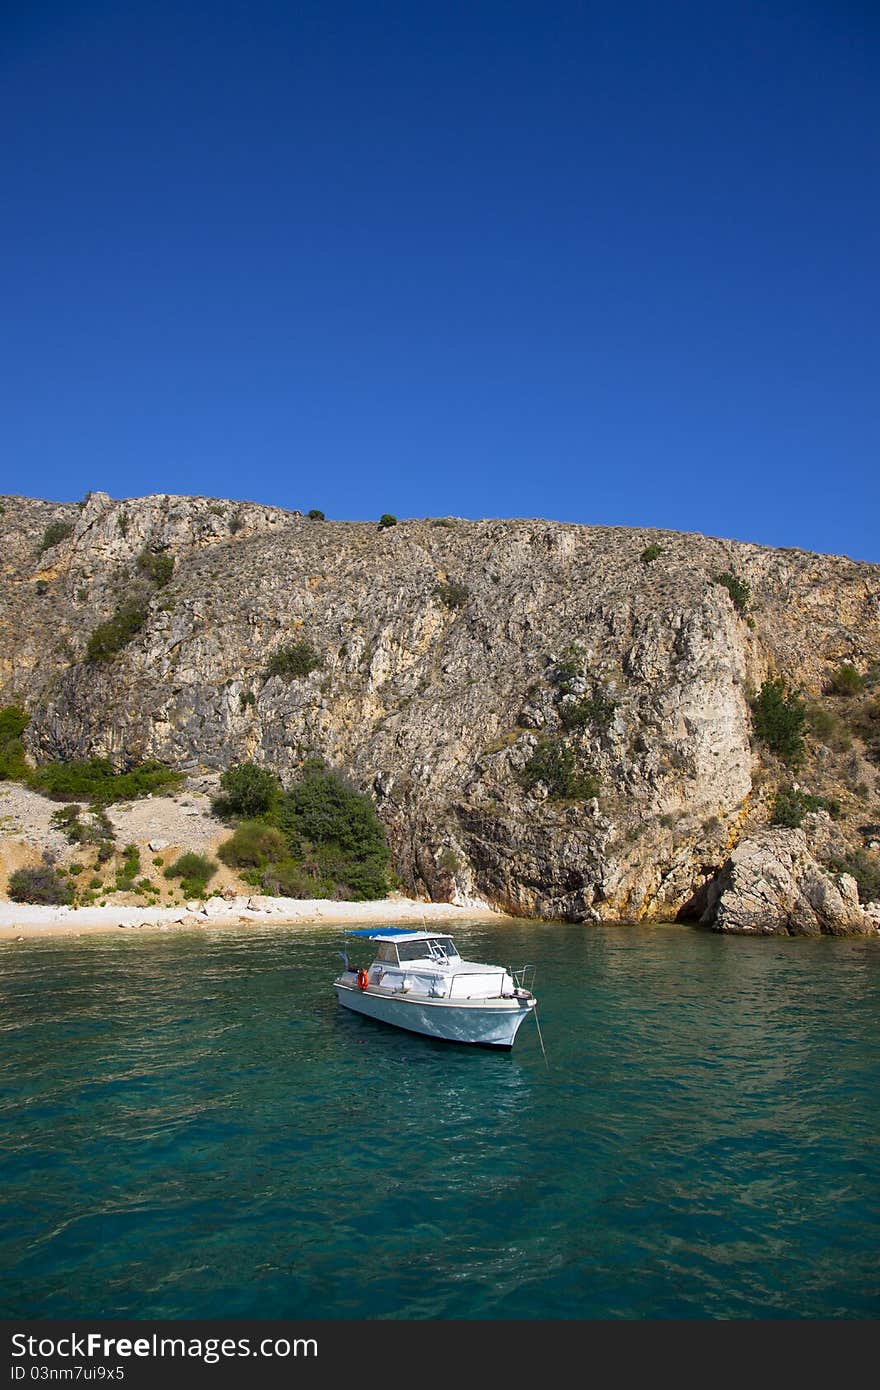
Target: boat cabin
401, 950
427, 963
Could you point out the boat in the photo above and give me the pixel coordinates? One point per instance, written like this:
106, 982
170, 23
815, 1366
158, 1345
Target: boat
418, 981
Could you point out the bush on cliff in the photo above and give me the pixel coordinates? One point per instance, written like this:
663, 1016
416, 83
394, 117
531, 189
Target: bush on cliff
778, 716
739, 591
596, 711
294, 661
865, 869
555, 765
790, 805
111, 636
846, 680
40, 885
54, 533
157, 565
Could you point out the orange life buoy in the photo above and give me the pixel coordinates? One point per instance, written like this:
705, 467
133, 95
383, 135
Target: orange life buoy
363, 979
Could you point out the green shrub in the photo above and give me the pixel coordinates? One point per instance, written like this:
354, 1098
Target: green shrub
111, 636
248, 791
247, 699
738, 589
195, 872
555, 765
335, 833
54, 533
287, 879
865, 869
322, 838
386, 520
596, 710
316, 515
778, 717
253, 845
40, 885
67, 820
570, 667
651, 553
13, 767
13, 722
293, 661
452, 595
126, 873
846, 680
157, 565
95, 780
236, 522
790, 805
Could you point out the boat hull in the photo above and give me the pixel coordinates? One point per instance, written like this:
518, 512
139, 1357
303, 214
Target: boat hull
482, 1023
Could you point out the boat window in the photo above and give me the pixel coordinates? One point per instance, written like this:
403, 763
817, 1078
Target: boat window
439, 949
386, 951
413, 950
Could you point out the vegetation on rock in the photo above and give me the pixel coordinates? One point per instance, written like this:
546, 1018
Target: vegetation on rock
111, 636
596, 710
865, 869
778, 716
846, 680
452, 595
293, 661
739, 590
54, 533
554, 764
157, 565
791, 804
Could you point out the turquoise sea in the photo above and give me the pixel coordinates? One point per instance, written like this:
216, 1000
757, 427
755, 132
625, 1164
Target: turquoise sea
192, 1127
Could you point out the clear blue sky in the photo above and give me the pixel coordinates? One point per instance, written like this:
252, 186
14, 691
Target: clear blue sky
608, 262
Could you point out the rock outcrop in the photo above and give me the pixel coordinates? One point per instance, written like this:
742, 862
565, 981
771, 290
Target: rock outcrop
772, 885
457, 659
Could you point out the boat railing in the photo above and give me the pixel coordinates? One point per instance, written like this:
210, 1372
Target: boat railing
469, 975
524, 978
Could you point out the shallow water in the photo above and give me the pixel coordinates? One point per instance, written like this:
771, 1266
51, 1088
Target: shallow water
192, 1127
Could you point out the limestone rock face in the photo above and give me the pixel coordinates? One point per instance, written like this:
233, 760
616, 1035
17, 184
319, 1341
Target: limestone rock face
452, 655
772, 885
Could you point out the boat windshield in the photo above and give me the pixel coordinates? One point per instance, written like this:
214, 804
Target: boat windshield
439, 948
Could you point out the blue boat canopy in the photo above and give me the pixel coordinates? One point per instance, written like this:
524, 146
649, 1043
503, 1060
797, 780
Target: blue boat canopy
373, 932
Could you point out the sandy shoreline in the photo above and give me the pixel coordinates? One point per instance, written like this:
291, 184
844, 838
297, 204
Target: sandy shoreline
25, 921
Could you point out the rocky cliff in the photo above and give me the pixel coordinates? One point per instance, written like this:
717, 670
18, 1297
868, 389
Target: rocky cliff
551, 717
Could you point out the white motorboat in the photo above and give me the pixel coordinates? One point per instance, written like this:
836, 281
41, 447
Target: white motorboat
418, 981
